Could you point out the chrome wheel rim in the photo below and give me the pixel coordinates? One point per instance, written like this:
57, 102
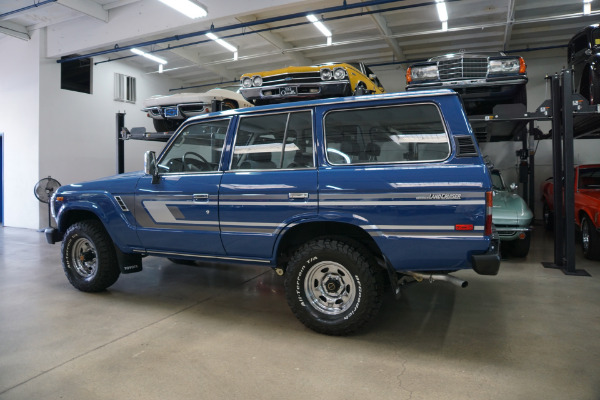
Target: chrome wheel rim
585, 235
83, 258
329, 288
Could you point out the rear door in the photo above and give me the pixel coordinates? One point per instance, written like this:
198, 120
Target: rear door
271, 183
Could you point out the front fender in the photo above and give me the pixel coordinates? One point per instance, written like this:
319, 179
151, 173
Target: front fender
119, 224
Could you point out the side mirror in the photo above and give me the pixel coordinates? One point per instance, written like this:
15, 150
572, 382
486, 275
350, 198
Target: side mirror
150, 167
372, 76
513, 186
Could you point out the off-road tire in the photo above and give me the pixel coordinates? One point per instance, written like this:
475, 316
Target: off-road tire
88, 256
589, 239
332, 287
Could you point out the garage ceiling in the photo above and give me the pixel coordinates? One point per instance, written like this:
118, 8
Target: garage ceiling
381, 33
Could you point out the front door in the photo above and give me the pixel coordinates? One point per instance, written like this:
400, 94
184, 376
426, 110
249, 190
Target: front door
180, 212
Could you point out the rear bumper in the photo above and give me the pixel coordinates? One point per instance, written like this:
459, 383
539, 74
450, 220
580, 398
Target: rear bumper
53, 235
489, 262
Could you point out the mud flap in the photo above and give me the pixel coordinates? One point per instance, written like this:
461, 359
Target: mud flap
128, 263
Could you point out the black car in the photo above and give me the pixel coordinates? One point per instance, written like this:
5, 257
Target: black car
584, 56
483, 79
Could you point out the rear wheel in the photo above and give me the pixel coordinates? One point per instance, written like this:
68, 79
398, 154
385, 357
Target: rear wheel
89, 257
332, 287
228, 105
589, 239
548, 218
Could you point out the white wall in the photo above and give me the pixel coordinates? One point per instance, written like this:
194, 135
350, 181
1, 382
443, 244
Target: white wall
68, 135
20, 104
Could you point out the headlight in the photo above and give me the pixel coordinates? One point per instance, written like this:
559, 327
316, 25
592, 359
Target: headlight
339, 73
506, 66
326, 74
423, 73
257, 80
246, 81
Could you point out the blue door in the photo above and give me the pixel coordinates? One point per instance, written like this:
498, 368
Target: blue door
271, 183
180, 213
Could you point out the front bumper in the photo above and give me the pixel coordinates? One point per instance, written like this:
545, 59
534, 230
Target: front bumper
53, 235
480, 89
489, 262
280, 93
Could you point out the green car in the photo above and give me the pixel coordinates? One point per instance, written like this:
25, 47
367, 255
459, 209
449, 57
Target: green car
511, 217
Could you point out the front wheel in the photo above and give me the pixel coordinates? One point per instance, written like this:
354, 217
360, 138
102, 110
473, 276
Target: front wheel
89, 257
332, 287
589, 239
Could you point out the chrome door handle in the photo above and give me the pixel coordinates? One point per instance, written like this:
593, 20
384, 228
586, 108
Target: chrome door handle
200, 197
297, 196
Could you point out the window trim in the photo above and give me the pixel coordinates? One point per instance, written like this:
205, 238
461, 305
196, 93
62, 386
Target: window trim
288, 112
180, 129
444, 124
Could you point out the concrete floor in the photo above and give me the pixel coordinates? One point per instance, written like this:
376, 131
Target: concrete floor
207, 332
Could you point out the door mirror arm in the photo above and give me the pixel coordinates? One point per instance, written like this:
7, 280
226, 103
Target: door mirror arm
150, 167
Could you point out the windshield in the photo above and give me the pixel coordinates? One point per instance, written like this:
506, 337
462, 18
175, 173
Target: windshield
497, 182
589, 178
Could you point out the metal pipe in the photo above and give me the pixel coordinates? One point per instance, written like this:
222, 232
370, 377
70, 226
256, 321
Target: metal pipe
438, 277
41, 3
237, 26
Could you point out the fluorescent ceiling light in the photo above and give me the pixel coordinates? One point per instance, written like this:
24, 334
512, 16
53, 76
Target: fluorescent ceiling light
148, 56
320, 27
189, 8
587, 7
441, 9
223, 43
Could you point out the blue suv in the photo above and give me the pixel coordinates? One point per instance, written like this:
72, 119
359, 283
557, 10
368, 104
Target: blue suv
342, 196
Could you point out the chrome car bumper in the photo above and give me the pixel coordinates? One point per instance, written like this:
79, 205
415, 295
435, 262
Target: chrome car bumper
297, 90
178, 111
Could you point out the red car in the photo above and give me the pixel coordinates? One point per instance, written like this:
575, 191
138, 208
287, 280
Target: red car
587, 207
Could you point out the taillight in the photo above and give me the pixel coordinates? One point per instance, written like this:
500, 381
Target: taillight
408, 77
522, 65
488, 213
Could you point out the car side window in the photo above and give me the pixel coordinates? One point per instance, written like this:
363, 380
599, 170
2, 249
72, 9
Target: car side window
274, 141
404, 133
197, 148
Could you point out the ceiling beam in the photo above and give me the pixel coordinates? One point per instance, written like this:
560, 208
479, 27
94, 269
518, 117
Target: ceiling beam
204, 63
277, 41
88, 7
510, 18
15, 30
384, 29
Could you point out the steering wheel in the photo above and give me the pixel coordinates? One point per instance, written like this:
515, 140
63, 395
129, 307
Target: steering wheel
204, 166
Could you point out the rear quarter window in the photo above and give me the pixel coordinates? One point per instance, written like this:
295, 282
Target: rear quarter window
402, 133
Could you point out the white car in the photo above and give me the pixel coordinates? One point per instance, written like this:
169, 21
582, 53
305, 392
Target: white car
168, 112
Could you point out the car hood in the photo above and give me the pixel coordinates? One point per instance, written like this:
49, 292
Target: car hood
510, 209
202, 97
122, 183
466, 55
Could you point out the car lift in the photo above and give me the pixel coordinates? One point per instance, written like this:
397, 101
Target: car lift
140, 133
571, 116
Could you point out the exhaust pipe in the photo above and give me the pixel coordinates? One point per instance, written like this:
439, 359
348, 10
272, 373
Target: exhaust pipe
438, 277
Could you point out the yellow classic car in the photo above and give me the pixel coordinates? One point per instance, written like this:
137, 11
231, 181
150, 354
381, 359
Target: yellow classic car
309, 82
